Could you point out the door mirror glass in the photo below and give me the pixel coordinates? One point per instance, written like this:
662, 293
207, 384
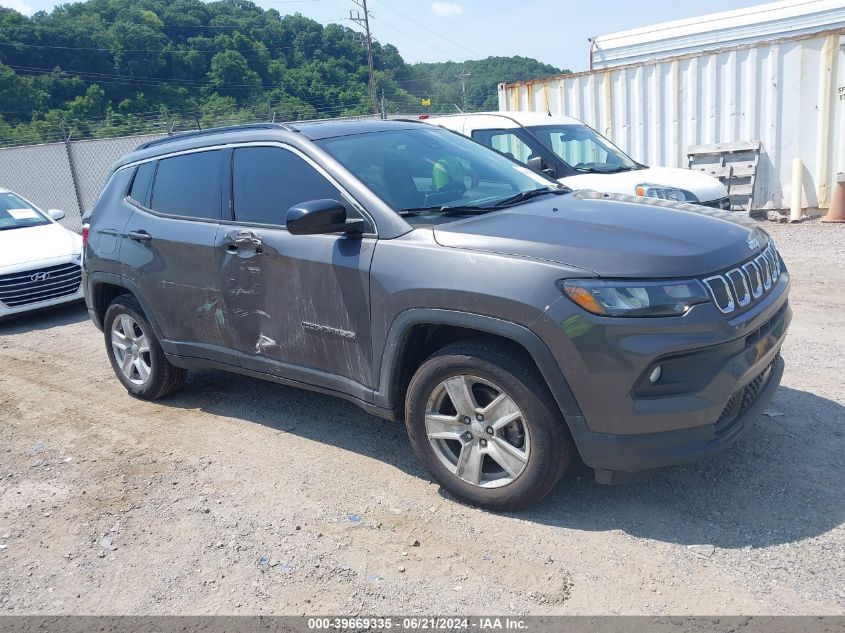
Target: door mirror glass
541, 166
537, 164
320, 216
56, 214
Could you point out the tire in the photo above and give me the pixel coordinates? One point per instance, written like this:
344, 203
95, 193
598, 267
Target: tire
150, 376
540, 447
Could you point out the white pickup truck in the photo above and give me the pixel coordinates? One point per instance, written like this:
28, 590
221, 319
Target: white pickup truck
581, 158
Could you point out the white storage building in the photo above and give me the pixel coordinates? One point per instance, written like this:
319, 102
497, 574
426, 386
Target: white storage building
773, 73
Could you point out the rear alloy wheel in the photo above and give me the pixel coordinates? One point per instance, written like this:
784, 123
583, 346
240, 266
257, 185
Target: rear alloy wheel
135, 353
131, 349
482, 421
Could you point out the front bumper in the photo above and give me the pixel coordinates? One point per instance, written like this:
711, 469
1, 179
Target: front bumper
37, 285
728, 372
634, 453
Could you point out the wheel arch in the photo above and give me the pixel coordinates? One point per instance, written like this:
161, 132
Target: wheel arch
103, 288
409, 342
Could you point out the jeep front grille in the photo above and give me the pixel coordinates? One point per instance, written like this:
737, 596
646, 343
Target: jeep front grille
41, 284
744, 285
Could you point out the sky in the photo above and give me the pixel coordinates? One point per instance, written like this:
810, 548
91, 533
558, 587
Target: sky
553, 31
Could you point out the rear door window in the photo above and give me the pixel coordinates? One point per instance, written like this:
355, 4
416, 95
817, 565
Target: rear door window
189, 185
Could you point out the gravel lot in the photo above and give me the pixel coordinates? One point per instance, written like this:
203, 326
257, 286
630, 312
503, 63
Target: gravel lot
239, 496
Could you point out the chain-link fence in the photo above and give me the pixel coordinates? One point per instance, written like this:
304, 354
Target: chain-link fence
66, 176
69, 175
42, 174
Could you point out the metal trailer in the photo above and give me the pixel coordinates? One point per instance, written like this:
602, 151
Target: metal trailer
771, 21
788, 93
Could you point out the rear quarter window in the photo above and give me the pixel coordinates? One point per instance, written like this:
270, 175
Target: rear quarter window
142, 182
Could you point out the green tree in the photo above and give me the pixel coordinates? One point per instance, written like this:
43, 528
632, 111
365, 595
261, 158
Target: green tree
230, 74
108, 67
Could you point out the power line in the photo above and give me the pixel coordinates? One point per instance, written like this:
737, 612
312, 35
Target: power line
413, 37
116, 50
424, 27
103, 78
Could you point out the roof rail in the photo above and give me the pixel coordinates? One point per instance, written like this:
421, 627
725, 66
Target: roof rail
217, 130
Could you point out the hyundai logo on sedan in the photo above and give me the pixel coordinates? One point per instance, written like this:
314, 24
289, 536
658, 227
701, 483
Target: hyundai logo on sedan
40, 276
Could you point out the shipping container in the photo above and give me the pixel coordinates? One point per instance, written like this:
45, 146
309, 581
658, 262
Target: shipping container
772, 21
788, 93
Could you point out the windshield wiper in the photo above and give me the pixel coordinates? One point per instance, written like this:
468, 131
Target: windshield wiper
528, 195
444, 210
597, 170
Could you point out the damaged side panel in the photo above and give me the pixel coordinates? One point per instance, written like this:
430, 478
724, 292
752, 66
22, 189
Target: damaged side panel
188, 306
298, 301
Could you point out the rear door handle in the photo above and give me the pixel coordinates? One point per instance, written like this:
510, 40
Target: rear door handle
107, 232
139, 236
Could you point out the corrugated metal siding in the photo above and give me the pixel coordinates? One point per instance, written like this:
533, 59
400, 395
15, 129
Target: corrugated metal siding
787, 94
770, 21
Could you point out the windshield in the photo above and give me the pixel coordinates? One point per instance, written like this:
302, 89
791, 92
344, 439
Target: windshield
427, 171
583, 149
16, 213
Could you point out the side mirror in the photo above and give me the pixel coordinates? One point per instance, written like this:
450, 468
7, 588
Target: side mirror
317, 217
56, 214
541, 166
537, 164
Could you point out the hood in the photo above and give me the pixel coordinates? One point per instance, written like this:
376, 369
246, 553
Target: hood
612, 236
33, 243
706, 188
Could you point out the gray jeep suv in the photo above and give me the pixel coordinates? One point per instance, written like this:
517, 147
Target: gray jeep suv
508, 321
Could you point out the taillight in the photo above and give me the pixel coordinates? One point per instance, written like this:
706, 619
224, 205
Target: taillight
85, 235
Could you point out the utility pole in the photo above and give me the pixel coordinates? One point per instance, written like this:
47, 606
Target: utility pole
364, 20
463, 77
383, 111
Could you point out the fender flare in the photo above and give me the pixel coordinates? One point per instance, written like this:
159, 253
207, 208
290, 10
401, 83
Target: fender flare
521, 335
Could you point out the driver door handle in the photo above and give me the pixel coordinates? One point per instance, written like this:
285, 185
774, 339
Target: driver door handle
243, 240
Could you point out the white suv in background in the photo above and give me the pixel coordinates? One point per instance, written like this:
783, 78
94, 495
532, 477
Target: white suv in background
581, 158
40, 260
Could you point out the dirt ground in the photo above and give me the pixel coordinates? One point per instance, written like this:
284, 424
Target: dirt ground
240, 496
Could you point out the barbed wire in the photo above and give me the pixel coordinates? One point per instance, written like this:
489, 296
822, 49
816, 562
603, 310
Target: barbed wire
119, 125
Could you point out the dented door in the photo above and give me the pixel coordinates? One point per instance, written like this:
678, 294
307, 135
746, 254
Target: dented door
299, 300
299, 304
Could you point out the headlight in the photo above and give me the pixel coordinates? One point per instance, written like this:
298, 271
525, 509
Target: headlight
627, 298
665, 193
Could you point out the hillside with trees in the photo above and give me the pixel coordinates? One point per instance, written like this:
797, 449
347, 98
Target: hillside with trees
111, 67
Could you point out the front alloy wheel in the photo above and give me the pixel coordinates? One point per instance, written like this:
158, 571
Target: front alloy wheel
482, 421
477, 431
